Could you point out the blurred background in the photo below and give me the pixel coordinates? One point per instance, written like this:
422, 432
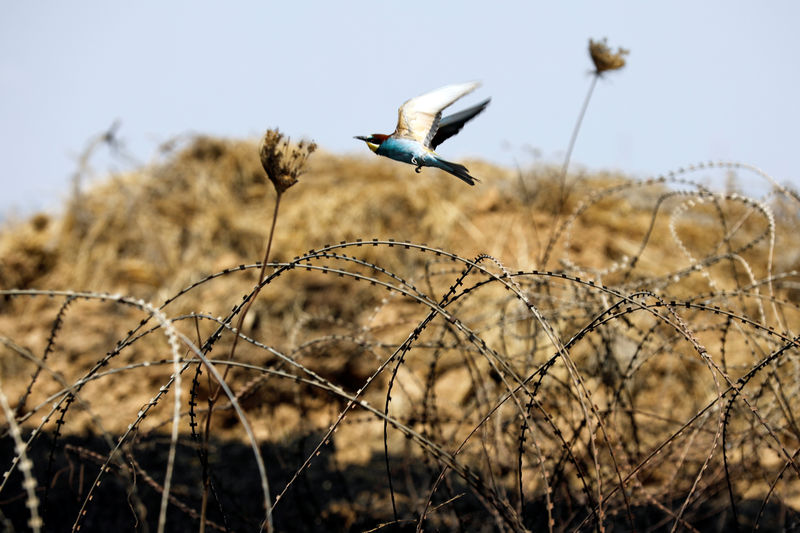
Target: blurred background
704, 81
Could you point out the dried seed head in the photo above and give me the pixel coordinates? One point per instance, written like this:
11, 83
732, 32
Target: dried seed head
603, 58
282, 162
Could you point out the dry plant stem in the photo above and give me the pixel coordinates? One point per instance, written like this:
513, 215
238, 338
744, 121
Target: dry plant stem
562, 195
204, 501
575, 131
261, 275
215, 395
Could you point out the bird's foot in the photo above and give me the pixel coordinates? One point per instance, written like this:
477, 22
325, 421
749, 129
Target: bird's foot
418, 169
419, 165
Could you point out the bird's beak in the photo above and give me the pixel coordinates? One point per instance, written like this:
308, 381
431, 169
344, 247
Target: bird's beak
372, 145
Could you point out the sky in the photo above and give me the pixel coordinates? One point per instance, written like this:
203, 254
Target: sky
712, 80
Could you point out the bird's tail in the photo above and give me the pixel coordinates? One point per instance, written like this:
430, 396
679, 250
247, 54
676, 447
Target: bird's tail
459, 171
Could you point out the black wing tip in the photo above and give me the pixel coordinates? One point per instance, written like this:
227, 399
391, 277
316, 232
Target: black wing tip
452, 124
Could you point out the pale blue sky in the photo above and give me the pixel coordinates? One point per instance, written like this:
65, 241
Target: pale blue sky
705, 80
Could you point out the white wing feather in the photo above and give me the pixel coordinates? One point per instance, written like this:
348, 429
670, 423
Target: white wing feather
419, 117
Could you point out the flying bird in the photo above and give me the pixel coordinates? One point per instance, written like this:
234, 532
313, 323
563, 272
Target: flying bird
421, 128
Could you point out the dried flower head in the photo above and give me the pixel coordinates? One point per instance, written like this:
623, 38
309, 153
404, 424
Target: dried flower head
604, 59
283, 162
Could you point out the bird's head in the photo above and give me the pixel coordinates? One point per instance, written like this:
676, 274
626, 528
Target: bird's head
373, 141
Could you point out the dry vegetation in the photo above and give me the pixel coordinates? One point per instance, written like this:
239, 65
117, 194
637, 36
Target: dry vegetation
488, 362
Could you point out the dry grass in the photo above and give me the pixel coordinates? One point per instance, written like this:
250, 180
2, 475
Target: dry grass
645, 376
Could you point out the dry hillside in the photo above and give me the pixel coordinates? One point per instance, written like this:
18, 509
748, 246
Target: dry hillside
521, 355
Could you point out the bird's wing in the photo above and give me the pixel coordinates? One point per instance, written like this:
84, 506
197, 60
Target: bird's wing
419, 117
452, 124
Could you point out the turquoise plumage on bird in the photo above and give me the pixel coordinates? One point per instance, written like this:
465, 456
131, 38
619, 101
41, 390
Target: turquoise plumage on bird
421, 128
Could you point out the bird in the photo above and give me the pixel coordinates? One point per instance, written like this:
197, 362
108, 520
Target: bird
421, 128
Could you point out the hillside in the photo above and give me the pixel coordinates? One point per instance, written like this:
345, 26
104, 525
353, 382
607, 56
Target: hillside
518, 355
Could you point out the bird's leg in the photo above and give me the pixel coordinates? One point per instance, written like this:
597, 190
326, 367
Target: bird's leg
419, 165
